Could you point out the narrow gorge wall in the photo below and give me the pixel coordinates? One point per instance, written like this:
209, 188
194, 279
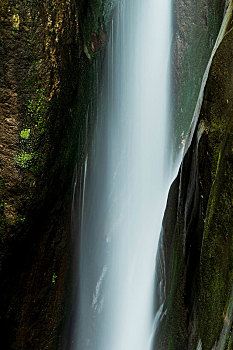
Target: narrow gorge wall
196, 241
48, 53
195, 28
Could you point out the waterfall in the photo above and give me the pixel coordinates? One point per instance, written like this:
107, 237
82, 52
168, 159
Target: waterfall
126, 181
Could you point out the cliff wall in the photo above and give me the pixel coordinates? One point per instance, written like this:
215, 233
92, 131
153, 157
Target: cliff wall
48, 52
197, 239
195, 28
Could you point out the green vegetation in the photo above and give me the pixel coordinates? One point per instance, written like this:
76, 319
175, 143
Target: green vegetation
229, 340
52, 130
216, 264
54, 278
23, 159
31, 136
217, 257
36, 109
14, 30
24, 134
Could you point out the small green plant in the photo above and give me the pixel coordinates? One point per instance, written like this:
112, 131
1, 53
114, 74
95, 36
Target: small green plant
229, 341
52, 8
54, 278
22, 219
14, 30
25, 134
31, 136
36, 109
23, 159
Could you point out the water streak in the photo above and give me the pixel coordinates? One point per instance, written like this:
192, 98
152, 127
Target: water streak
125, 184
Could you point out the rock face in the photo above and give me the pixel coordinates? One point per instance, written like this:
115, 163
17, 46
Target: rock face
47, 83
195, 25
48, 52
197, 240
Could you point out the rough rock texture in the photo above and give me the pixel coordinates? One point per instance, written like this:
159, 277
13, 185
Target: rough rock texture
47, 82
197, 240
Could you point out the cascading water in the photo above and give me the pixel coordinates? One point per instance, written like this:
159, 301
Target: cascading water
126, 180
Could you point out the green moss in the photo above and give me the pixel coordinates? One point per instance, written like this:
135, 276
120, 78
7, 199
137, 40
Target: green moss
217, 251
36, 107
229, 340
36, 110
216, 265
54, 278
24, 159
24, 134
56, 118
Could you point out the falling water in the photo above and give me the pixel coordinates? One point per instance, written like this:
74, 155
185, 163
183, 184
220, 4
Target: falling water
126, 180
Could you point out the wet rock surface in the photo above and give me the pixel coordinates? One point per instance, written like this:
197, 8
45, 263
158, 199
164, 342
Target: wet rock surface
195, 26
196, 243
46, 85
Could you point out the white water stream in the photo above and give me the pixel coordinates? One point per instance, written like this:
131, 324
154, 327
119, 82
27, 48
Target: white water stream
126, 180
